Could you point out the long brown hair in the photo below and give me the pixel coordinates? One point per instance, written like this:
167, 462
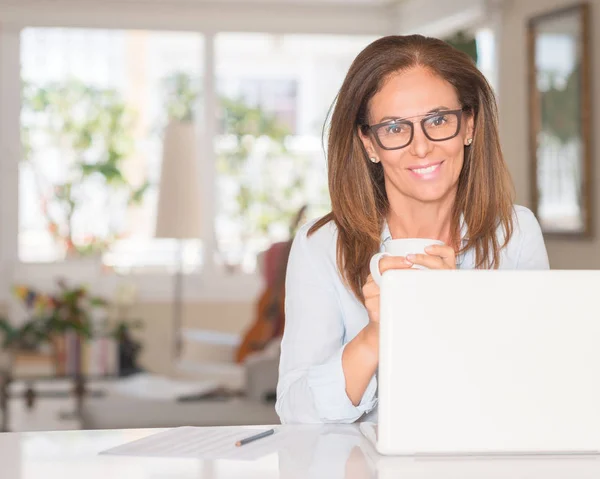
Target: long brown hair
356, 186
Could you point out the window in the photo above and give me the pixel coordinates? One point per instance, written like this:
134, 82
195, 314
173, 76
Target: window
94, 108
486, 55
274, 95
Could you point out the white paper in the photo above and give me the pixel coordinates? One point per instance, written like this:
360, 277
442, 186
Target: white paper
202, 443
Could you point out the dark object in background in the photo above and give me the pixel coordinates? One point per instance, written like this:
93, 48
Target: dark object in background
129, 350
270, 397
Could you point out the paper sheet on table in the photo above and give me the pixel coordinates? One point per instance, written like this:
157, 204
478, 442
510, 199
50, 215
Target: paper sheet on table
201, 443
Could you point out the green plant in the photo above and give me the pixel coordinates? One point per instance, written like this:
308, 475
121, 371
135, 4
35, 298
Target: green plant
464, 43
270, 191
8, 333
35, 332
90, 129
273, 192
70, 309
560, 106
182, 92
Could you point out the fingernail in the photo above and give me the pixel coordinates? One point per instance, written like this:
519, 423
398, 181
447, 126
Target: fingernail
410, 258
427, 249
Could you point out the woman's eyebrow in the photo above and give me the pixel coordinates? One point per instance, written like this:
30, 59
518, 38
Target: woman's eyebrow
433, 110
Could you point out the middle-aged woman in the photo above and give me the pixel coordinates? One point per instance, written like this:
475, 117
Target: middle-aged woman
413, 151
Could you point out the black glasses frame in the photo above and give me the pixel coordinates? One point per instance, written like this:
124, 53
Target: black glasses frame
373, 128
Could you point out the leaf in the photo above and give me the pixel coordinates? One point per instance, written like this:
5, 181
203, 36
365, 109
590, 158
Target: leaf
182, 93
98, 302
5, 326
8, 332
137, 195
111, 173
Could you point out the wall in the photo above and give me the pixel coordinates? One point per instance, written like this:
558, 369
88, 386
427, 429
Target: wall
512, 90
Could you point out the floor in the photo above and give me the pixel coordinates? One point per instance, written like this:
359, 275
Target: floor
54, 412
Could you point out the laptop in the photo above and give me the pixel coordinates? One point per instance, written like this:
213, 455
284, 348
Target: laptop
488, 362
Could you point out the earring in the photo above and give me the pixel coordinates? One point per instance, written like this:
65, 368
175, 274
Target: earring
469, 141
374, 160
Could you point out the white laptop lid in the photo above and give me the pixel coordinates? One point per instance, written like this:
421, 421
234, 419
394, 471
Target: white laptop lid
489, 362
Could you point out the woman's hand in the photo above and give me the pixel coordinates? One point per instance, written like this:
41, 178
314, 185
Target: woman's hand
371, 293
371, 289
361, 355
437, 257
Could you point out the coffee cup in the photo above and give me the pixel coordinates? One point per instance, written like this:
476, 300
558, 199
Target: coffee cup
401, 247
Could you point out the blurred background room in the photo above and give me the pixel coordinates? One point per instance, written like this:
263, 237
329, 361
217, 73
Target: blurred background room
157, 157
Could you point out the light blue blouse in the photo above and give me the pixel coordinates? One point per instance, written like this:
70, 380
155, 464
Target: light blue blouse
323, 315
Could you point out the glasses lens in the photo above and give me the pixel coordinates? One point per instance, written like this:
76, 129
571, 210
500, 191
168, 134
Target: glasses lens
442, 126
395, 135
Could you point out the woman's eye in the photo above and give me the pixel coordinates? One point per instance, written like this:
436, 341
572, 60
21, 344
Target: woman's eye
395, 129
437, 120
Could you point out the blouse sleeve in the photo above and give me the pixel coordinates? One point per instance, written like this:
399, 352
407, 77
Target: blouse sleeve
532, 252
312, 386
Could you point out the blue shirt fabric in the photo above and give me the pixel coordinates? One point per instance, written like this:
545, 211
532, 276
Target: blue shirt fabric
323, 315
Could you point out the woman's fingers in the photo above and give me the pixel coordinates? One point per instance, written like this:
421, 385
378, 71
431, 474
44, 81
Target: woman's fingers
443, 251
393, 262
436, 257
428, 261
371, 295
386, 263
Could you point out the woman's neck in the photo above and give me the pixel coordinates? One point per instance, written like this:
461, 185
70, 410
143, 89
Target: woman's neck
409, 218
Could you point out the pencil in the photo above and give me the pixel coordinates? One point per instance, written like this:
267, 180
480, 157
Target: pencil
255, 437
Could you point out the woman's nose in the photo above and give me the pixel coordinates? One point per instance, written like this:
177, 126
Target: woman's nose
420, 145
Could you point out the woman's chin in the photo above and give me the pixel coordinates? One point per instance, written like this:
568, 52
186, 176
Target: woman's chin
432, 195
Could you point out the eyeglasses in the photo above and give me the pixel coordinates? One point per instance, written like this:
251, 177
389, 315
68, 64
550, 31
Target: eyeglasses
395, 134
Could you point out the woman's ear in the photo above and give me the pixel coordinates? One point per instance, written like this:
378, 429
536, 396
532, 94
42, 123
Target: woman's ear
470, 131
368, 145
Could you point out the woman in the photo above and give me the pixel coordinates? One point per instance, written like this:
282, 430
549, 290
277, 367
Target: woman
413, 152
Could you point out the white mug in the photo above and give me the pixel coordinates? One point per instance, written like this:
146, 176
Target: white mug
401, 247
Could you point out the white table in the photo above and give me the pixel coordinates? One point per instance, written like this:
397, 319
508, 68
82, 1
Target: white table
329, 452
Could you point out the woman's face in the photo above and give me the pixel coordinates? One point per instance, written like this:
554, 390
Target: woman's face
424, 169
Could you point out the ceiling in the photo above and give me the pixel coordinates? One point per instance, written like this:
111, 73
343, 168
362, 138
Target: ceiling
306, 2
292, 2
245, 3
343, 17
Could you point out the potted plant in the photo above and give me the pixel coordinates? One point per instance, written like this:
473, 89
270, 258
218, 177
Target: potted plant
51, 318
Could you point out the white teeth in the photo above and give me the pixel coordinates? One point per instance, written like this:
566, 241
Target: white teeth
424, 171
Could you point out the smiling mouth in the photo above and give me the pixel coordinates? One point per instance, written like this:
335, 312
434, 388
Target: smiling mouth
426, 170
